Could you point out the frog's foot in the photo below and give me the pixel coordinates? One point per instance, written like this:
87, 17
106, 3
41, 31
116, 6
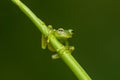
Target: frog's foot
55, 56
71, 48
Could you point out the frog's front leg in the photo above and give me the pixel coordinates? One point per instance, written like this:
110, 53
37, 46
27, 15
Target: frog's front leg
70, 48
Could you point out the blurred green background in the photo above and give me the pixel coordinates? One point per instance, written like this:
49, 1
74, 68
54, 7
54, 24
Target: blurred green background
97, 39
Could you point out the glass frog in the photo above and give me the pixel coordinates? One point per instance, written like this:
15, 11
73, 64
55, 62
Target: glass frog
60, 34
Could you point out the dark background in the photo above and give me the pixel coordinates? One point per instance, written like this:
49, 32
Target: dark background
97, 39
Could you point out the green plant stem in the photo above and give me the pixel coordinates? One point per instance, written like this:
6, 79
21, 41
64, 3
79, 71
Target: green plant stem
63, 53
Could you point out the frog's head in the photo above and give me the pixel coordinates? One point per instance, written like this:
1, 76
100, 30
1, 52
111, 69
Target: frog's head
63, 34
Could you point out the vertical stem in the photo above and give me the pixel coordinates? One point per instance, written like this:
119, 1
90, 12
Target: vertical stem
63, 53
39, 23
75, 67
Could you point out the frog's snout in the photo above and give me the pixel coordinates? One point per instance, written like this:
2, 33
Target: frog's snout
71, 31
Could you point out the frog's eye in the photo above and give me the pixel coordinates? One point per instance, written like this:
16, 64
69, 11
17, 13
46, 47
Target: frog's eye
60, 30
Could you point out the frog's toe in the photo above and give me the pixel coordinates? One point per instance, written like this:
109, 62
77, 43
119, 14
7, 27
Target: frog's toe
55, 56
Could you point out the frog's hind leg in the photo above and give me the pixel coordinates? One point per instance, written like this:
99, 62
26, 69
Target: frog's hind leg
43, 42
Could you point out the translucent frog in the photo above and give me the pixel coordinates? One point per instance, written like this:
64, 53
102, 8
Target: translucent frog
61, 35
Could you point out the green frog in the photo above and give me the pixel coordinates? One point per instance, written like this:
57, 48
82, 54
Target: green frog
61, 35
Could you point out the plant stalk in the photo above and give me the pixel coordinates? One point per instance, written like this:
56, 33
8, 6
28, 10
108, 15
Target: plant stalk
63, 53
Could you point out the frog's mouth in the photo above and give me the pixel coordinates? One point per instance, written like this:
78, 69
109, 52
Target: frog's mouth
69, 36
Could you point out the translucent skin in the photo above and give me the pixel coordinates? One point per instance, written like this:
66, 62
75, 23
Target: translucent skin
61, 34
